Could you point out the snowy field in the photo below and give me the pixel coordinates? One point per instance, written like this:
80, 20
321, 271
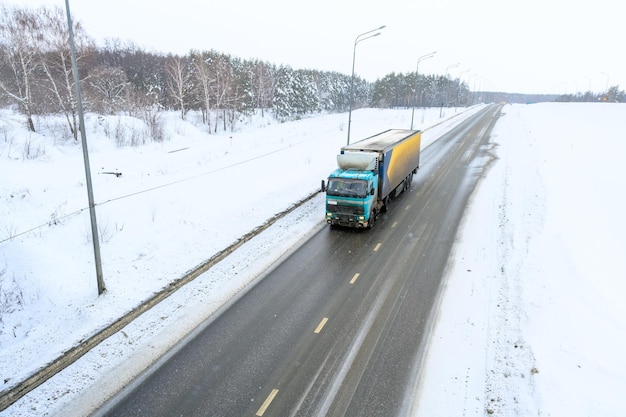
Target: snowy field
530, 322
533, 320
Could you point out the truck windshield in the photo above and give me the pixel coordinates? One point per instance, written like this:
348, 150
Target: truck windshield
347, 188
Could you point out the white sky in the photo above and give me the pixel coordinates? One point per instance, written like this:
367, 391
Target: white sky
536, 46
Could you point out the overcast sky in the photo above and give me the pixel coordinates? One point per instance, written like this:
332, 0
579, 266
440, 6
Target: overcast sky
531, 46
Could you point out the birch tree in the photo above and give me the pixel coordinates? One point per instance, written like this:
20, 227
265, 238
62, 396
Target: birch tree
57, 63
223, 87
205, 81
178, 82
20, 31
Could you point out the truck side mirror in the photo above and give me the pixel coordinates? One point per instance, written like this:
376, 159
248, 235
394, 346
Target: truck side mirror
323, 185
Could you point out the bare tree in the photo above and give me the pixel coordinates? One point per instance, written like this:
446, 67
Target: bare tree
20, 32
178, 81
57, 63
145, 74
205, 79
107, 86
265, 84
224, 80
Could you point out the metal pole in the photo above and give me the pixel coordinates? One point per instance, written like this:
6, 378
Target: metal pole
92, 208
423, 57
356, 41
351, 93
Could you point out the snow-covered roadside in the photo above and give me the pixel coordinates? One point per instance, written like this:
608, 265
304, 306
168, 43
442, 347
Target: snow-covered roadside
305, 144
532, 321
477, 363
82, 388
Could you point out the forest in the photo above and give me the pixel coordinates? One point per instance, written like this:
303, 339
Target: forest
118, 77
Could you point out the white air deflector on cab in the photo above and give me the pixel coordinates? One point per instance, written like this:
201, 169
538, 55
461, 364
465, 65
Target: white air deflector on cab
359, 161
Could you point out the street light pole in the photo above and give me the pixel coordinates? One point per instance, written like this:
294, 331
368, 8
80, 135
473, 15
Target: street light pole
356, 41
422, 58
92, 209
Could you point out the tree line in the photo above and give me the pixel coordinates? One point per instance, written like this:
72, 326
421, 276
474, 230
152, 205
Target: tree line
121, 78
612, 95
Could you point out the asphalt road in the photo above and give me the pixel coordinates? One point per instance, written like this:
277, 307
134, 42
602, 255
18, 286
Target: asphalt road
340, 327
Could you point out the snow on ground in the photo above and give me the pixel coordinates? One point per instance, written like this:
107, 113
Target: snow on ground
175, 205
530, 320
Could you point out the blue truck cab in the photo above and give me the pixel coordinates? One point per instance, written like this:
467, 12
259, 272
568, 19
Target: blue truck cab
351, 197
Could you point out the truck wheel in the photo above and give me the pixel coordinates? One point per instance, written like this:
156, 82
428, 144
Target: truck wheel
385, 205
372, 220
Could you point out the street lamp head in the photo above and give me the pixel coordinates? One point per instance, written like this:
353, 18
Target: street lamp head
358, 40
360, 37
427, 56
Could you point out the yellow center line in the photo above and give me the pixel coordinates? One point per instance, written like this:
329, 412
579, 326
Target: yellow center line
354, 278
267, 402
321, 325
377, 247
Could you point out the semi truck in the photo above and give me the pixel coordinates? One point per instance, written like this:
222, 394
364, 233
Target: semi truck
371, 172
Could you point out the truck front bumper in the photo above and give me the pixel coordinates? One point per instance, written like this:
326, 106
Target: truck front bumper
346, 220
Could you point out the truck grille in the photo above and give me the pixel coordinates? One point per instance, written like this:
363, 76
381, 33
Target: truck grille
345, 209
